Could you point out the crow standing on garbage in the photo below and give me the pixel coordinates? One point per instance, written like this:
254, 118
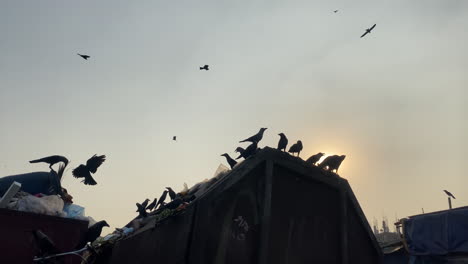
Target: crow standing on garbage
255, 138
172, 194
162, 199
249, 151
84, 171
449, 194
240, 151
296, 148
145, 203
315, 158
204, 67
151, 206
52, 160
332, 163
283, 142
231, 162
93, 233
141, 211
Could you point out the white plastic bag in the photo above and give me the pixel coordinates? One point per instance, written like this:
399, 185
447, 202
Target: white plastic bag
49, 205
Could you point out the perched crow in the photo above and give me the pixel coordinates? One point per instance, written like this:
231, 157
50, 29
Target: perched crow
332, 162
141, 211
174, 204
240, 151
145, 203
172, 194
315, 158
255, 138
45, 244
84, 171
52, 160
174, 138
86, 57
283, 142
231, 162
296, 148
249, 151
151, 206
204, 67
93, 233
449, 194
368, 30
162, 199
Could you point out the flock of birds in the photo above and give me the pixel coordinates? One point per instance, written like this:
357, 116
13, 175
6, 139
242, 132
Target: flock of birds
330, 163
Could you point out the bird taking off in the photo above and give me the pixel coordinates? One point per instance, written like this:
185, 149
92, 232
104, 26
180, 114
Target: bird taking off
368, 30
296, 148
52, 160
255, 138
204, 67
231, 161
86, 57
84, 171
449, 194
283, 142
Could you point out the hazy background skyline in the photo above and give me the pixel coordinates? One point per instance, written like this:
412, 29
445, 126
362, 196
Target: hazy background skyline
394, 101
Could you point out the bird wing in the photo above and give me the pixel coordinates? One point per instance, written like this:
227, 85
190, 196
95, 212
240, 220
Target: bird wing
365, 33
94, 162
81, 172
372, 27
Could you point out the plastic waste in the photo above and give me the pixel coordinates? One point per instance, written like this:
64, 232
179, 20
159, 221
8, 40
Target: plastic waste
49, 205
74, 211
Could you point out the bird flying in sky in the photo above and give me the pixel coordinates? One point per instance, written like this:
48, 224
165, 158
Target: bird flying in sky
86, 57
174, 138
336, 11
204, 67
368, 30
84, 171
449, 194
51, 160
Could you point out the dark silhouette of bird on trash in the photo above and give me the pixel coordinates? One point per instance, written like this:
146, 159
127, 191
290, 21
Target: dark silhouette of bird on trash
239, 150
231, 161
51, 160
315, 158
162, 199
141, 210
283, 142
449, 194
174, 204
93, 233
368, 30
204, 67
44, 243
152, 205
171, 192
249, 151
84, 171
86, 57
255, 138
296, 148
332, 163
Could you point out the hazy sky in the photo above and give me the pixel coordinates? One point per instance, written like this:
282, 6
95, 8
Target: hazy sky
394, 102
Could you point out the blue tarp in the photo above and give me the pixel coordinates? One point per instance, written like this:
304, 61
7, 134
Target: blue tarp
438, 233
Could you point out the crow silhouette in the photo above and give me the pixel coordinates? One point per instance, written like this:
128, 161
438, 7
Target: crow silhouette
171, 192
86, 57
332, 163
231, 162
249, 151
368, 30
204, 67
93, 233
51, 160
449, 194
283, 142
84, 171
315, 158
240, 151
255, 138
162, 199
174, 138
296, 148
45, 244
152, 205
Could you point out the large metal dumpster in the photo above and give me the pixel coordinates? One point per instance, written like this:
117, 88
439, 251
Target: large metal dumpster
272, 208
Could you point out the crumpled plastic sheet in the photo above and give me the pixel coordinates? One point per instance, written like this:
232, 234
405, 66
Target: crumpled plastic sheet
48, 205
